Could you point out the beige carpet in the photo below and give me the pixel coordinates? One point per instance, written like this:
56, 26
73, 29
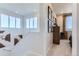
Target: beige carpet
63, 49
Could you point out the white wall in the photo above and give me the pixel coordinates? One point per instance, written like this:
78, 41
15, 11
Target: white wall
34, 39
74, 30
42, 40
77, 27
48, 37
39, 42
60, 22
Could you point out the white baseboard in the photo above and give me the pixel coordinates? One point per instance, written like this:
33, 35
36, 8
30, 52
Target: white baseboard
31, 53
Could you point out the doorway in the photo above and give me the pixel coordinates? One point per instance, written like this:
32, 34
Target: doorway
64, 21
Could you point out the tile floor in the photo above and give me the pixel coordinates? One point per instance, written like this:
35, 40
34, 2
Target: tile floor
63, 49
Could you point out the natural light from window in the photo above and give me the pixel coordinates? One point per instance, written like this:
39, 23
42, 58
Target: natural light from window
18, 23
4, 20
31, 23
69, 23
10, 21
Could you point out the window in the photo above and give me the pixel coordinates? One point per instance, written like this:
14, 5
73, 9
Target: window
4, 20
18, 24
12, 22
69, 23
31, 23
27, 23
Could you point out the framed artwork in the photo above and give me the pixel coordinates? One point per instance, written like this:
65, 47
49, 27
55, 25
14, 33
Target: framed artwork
49, 13
50, 19
49, 25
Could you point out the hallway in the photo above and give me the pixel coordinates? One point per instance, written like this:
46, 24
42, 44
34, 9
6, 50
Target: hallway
61, 50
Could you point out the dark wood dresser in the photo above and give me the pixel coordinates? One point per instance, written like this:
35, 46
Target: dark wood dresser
56, 35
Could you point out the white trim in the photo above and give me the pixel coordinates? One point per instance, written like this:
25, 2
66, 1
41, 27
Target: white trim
74, 30
31, 53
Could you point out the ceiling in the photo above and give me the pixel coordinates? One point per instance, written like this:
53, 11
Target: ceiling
26, 8
60, 8
20, 8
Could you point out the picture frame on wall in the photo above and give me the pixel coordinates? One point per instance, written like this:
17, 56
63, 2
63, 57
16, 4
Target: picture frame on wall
49, 13
50, 19
49, 26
